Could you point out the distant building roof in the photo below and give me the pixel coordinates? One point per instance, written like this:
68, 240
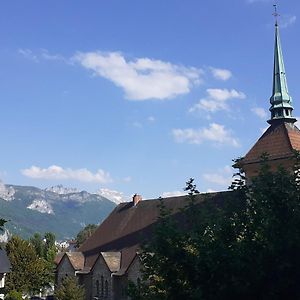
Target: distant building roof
128, 226
4, 262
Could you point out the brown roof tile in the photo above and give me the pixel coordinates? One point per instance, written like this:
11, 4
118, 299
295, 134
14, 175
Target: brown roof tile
128, 226
278, 141
76, 259
113, 260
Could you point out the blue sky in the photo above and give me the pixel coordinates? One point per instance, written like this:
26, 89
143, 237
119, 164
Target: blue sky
137, 96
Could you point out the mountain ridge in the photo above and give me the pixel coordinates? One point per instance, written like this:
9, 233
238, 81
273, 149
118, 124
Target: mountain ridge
29, 209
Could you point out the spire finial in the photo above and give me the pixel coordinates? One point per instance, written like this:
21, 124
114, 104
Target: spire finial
281, 102
276, 14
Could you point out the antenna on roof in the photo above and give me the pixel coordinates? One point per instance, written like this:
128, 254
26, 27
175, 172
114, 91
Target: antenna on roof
276, 14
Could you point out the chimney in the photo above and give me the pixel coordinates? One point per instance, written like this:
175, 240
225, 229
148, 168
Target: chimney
136, 199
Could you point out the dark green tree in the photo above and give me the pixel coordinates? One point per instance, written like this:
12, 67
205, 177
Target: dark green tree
29, 272
14, 295
85, 233
245, 247
69, 290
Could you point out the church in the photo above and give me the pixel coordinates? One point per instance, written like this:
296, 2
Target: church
109, 259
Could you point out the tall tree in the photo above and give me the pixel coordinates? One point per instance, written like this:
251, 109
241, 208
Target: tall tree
244, 248
69, 290
85, 233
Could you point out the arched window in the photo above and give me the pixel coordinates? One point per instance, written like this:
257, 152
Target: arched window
97, 287
106, 289
102, 285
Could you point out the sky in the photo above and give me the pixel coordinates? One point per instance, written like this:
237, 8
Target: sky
137, 96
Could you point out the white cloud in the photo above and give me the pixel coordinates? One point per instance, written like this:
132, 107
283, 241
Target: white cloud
217, 100
222, 74
57, 172
141, 78
223, 177
28, 54
287, 20
260, 112
47, 56
214, 133
173, 194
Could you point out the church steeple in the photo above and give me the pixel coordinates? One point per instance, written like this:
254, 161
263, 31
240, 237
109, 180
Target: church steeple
281, 102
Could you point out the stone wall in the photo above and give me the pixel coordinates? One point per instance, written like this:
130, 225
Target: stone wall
64, 270
102, 285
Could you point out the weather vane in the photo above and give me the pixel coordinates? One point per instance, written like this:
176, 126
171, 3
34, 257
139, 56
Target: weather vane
276, 14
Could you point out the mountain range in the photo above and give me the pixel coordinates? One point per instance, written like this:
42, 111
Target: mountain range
60, 210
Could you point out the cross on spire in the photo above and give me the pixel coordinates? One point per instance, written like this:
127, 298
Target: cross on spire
276, 14
281, 102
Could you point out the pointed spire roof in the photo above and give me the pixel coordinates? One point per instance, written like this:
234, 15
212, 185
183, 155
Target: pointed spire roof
281, 102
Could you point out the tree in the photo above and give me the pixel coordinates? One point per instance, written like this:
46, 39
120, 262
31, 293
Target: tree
246, 247
85, 233
2, 222
29, 273
14, 295
69, 290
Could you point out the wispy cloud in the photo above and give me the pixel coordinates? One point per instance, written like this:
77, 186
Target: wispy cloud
48, 56
287, 20
222, 177
41, 54
222, 74
260, 112
57, 172
217, 100
215, 133
141, 78
28, 54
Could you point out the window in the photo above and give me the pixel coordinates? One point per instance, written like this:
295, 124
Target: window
102, 285
97, 287
106, 289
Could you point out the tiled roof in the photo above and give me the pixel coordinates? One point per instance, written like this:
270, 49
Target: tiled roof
278, 142
128, 226
113, 260
4, 262
76, 259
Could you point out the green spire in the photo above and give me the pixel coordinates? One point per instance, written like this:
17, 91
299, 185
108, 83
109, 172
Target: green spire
281, 102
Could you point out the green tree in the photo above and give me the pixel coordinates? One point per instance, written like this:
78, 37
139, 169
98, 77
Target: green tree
246, 247
37, 242
14, 295
85, 233
69, 290
29, 273
2, 222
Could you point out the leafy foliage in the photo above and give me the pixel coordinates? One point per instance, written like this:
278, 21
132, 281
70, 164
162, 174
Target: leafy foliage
85, 233
2, 222
14, 295
246, 247
29, 272
69, 290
